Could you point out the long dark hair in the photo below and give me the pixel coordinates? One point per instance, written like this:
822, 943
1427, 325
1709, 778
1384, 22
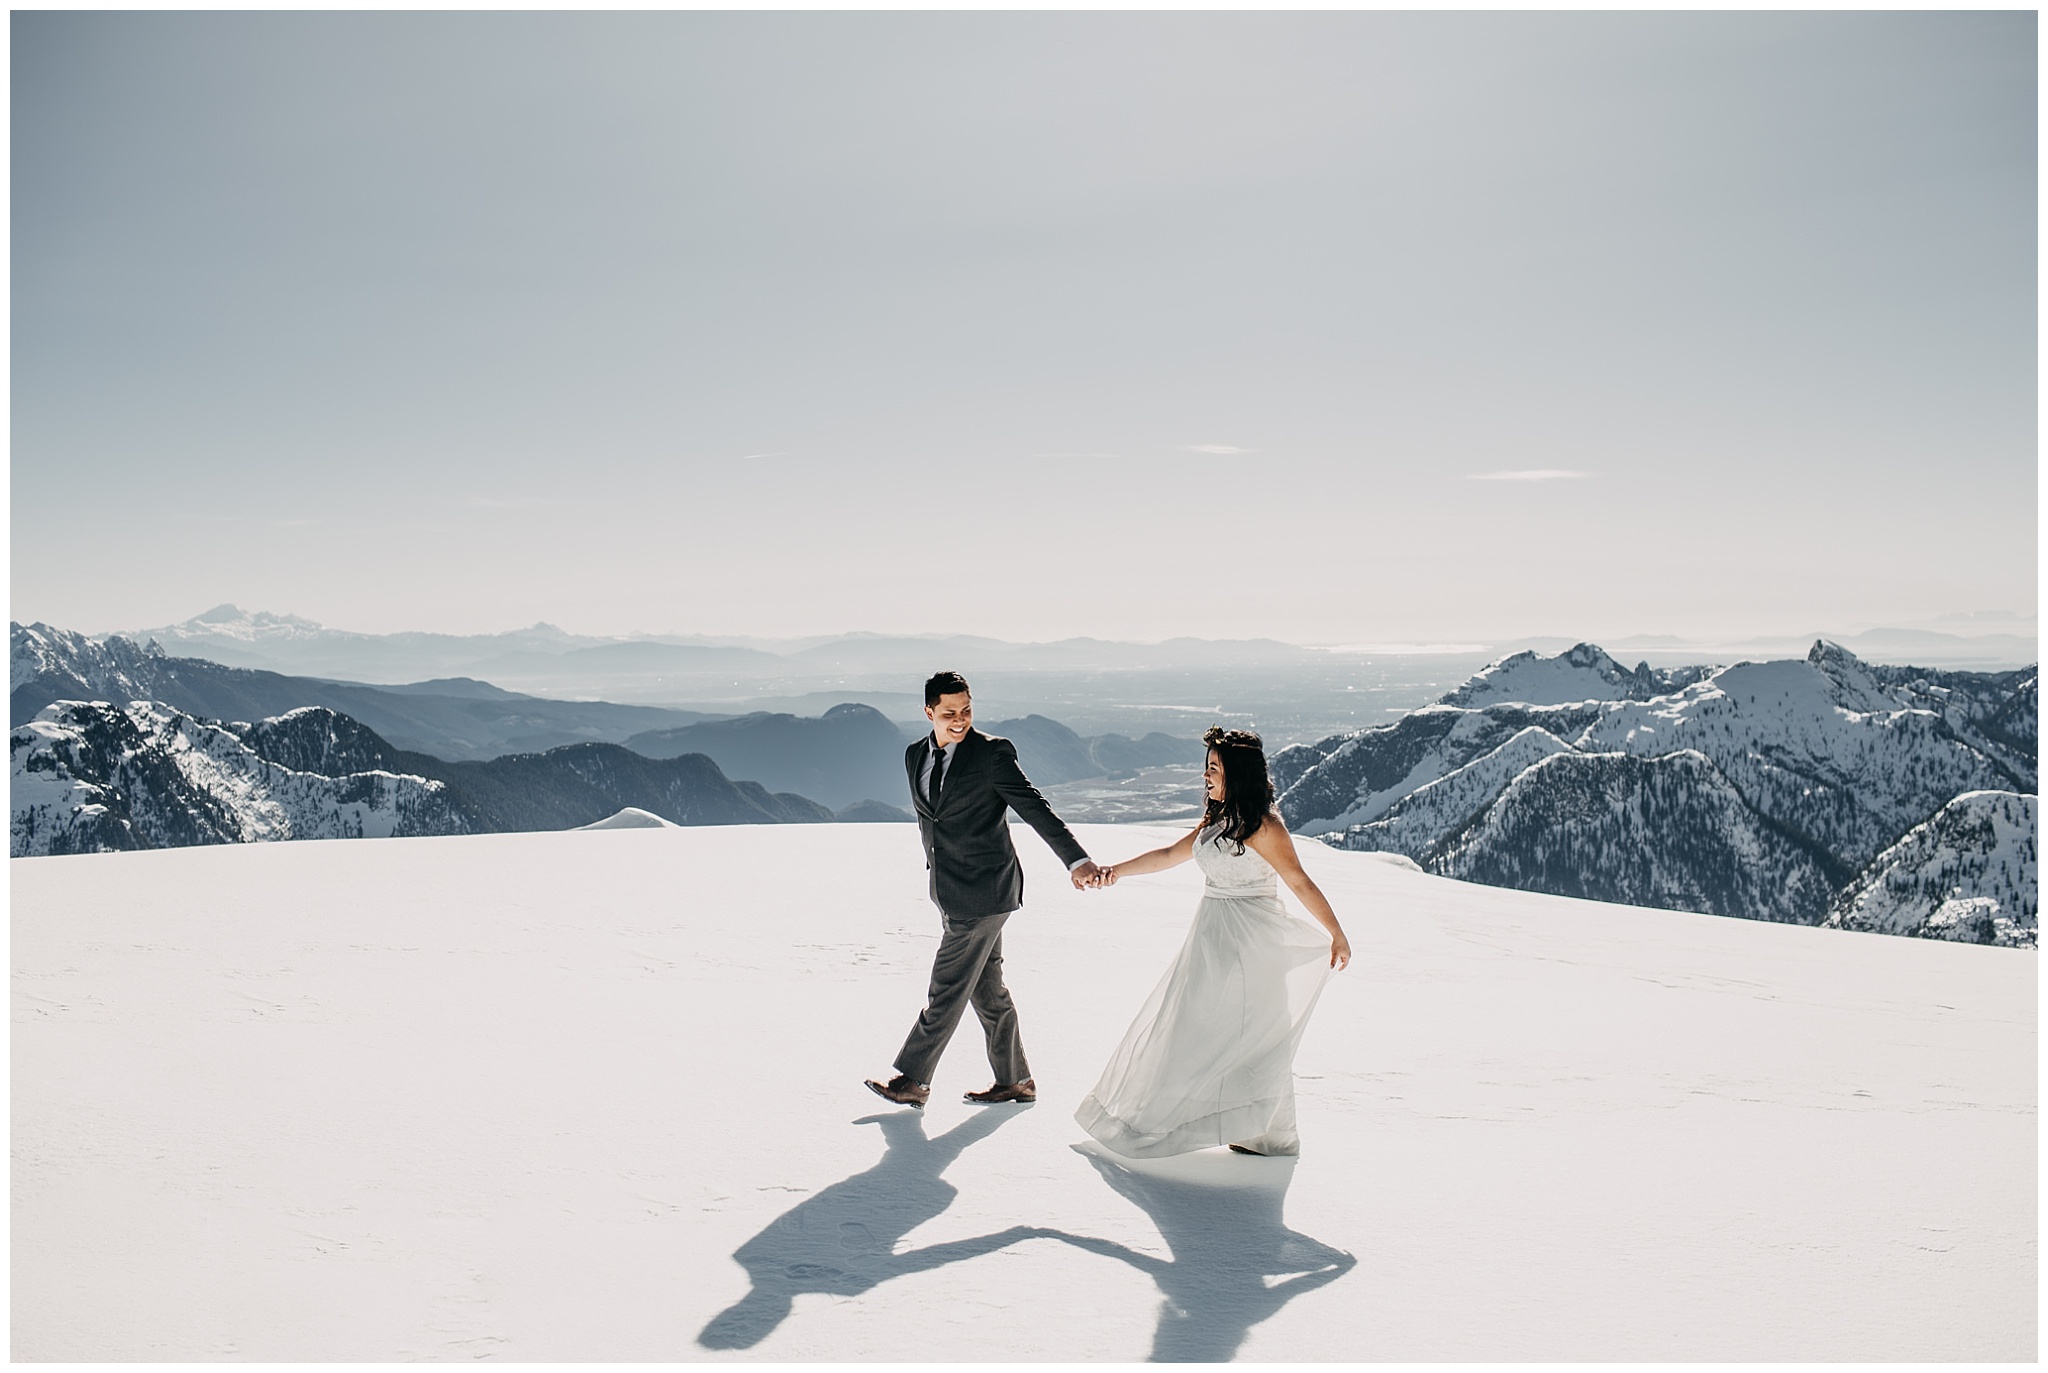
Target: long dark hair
1247, 786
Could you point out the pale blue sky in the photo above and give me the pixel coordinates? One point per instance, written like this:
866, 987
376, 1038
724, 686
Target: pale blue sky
692, 322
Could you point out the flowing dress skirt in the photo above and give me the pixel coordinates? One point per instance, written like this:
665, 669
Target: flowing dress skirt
1210, 1058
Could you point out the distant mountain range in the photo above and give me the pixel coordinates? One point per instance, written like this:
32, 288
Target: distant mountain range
118, 745
854, 753
457, 719
544, 657
1816, 790
91, 777
229, 635
1776, 790
94, 777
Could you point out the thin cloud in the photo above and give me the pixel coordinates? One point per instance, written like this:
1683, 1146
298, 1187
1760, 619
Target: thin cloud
505, 502
1532, 474
1221, 449
751, 457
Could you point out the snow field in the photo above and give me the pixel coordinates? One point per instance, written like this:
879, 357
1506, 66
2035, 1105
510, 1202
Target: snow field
527, 1096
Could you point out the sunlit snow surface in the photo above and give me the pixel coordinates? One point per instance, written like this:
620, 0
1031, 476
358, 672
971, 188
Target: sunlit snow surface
596, 1096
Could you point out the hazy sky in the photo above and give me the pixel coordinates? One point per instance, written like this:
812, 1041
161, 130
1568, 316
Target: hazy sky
1026, 324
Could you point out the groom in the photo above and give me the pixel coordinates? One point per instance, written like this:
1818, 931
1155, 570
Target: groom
962, 782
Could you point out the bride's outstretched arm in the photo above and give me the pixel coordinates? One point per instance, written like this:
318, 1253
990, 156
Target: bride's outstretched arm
1154, 860
1272, 842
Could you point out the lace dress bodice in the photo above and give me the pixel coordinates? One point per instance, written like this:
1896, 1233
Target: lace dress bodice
1228, 873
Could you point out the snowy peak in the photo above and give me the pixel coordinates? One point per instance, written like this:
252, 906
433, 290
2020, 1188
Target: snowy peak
1970, 873
232, 622
1818, 745
1854, 686
318, 740
114, 668
1584, 672
1763, 789
1590, 657
92, 777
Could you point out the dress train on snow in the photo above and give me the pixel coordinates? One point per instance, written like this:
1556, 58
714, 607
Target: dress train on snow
1210, 1058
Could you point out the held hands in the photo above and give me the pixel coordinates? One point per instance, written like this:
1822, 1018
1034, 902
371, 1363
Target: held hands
1087, 877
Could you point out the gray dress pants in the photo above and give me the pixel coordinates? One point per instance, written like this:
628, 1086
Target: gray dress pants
968, 969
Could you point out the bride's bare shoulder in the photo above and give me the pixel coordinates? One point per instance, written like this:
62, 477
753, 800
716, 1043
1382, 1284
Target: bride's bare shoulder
1271, 837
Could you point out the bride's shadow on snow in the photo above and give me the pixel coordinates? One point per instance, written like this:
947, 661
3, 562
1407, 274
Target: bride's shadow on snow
1234, 1262
1220, 1215
841, 1240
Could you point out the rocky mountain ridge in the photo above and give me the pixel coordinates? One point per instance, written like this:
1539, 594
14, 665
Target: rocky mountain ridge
850, 753
1971, 873
459, 719
1763, 790
1580, 673
91, 777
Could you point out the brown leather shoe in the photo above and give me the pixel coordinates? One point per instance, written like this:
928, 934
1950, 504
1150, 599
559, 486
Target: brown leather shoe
902, 1091
1027, 1090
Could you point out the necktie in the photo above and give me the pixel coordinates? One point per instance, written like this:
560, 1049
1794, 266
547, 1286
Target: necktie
938, 771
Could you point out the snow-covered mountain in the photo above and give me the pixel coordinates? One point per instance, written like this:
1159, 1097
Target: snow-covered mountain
1822, 747
1583, 672
1758, 790
1969, 873
227, 621
290, 643
92, 777
315, 739
118, 667
1354, 778
1669, 832
448, 719
851, 753
1417, 823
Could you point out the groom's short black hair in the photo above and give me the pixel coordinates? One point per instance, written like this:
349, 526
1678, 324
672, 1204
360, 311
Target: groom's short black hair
943, 684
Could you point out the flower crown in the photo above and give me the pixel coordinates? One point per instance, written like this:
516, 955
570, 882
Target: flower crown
1216, 736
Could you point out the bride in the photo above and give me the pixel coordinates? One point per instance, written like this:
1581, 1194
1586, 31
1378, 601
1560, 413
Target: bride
1210, 1058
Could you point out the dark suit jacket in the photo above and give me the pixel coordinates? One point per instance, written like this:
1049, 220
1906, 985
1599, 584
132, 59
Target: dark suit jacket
967, 844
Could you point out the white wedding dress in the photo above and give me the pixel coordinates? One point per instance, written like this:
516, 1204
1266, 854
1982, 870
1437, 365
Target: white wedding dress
1210, 1059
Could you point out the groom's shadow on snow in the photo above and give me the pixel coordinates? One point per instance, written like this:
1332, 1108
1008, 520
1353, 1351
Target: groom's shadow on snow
1234, 1261
841, 1241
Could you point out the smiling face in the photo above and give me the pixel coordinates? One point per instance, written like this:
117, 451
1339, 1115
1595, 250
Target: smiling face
1212, 779
951, 718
